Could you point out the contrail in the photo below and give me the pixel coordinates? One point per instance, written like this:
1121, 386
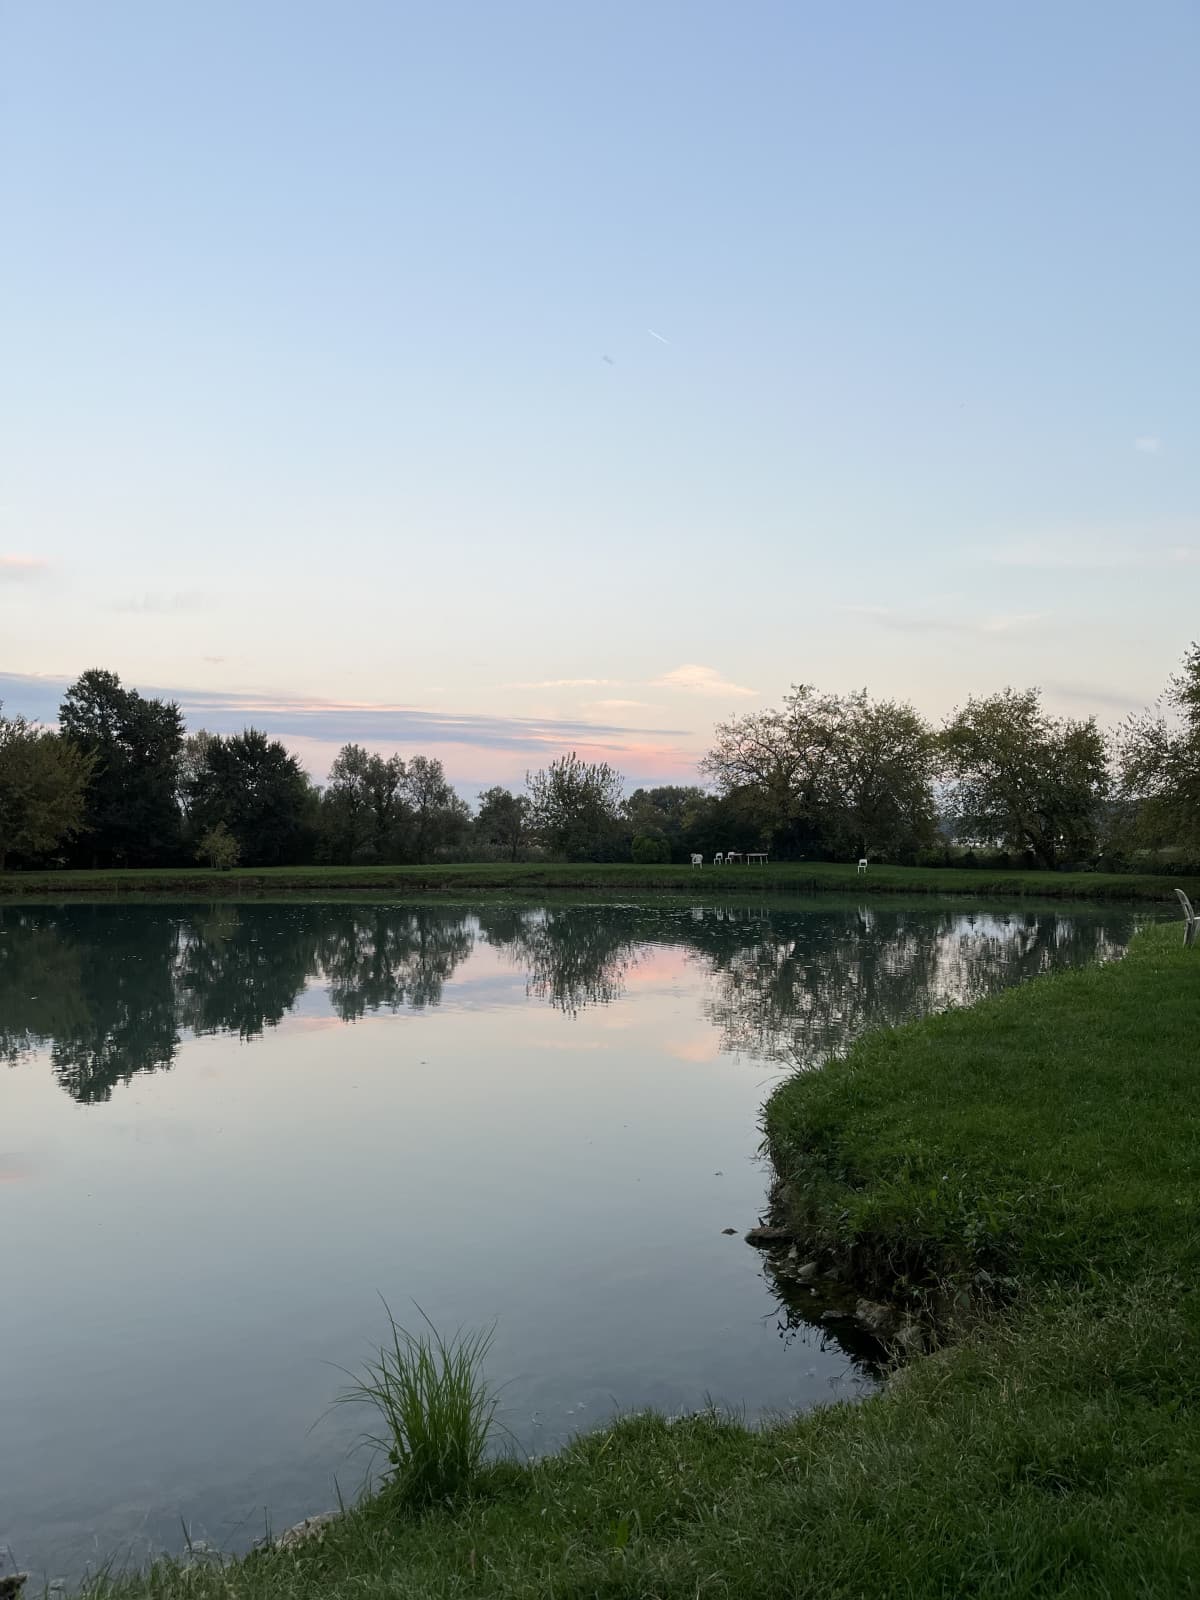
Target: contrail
657, 336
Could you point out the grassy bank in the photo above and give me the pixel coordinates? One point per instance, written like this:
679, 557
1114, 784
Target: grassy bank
1036, 1158
794, 877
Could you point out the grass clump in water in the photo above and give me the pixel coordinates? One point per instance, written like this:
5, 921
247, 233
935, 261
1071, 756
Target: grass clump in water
436, 1411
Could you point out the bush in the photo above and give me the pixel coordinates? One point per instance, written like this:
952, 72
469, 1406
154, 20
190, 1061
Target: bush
436, 1408
649, 849
219, 848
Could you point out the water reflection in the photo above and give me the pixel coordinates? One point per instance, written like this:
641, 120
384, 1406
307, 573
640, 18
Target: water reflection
111, 990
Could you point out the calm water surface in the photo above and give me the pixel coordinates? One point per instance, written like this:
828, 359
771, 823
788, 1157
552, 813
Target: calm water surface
226, 1130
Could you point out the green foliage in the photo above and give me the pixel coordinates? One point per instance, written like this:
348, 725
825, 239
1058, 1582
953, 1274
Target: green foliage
435, 1408
259, 792
503, 820
1160, 766
439, 818
132, 815
363, 812
1025, 780
829, 774
219, 848
43, 787
673, 812
648, 848
575, 807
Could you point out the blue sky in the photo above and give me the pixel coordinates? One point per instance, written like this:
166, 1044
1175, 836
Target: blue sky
306, 416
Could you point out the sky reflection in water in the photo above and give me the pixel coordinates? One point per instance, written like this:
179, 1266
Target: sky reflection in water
227, 1129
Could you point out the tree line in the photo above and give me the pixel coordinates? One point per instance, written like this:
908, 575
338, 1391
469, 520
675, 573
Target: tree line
120, 783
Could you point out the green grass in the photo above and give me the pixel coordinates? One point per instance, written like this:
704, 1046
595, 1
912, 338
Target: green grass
1034, 1161
433, 1403
795, 877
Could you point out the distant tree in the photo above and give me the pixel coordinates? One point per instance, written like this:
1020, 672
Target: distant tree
438, 817
43, 789
503, 819
219, 848
261, 794
189, 767
1159, 762
879, 796
831, 773
575, 806
648, 848
132, 814
1024, 780
364, 815
670, 811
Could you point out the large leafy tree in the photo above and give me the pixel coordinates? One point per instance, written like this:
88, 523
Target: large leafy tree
437, 817
670, 812
1021, 778
132, 815
830, 773
576, 808
363, 810
879, 788
1160, 764
43, 789
503, 819
262, 795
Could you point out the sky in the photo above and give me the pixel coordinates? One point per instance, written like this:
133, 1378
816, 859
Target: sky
497, 380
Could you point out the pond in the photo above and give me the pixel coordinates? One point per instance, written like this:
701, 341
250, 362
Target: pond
227, 1130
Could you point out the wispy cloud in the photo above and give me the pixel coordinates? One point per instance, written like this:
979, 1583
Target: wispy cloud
696, 679
1148, 444
691, 678
922, 622
19, 569
372, 722
619, 705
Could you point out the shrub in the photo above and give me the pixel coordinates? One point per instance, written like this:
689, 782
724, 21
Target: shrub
219, 848
436, 1409
649, 849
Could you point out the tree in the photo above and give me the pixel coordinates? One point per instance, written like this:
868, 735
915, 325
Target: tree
575, 806
1022, 779
1160, 765
671, 812
879, 793
503, 819
828, 773
648, 848
43, 789
219, 848
260, 793
132, 814
363, 810
437, 816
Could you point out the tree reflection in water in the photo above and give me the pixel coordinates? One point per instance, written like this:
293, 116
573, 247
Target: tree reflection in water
110, 990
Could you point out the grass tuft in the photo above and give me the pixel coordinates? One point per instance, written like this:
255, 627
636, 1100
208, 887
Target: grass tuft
436, 1410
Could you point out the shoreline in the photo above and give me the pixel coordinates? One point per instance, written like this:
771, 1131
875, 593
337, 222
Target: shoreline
531, 878
1022, 1174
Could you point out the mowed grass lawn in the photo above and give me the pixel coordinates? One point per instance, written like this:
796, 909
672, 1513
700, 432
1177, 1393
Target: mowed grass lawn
1034, 1162
795, 877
